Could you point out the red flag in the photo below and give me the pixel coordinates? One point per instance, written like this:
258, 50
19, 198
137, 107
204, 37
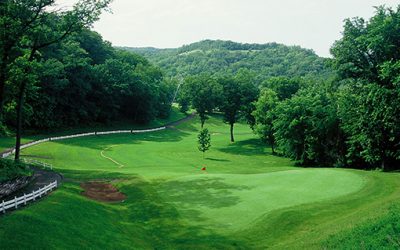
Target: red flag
203, 169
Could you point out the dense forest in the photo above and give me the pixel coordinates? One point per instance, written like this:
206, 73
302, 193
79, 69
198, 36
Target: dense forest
79, 80
227, 58
84, 80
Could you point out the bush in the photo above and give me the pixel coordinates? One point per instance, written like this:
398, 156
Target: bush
10, 170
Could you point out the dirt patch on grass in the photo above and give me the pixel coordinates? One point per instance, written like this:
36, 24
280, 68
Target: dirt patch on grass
101, 191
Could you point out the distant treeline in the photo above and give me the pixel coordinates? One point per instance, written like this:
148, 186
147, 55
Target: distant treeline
222, 58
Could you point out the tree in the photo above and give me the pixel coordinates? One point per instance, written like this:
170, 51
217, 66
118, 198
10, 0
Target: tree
27, 27
307, 130
236, 100
368, 57
264, 115
371, 116
76, 86
203, 92
204, 140
284, 87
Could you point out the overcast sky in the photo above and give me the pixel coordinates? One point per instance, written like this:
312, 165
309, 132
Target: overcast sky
313, 24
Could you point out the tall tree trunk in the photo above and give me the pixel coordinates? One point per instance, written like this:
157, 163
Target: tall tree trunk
232, 139
3, 74
20, 108
202, 119
272, 142
273, 147
2, 87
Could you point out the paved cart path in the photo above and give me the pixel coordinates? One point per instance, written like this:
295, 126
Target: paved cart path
41, 178
176, 123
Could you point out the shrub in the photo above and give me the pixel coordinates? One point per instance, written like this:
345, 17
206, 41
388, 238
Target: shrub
10, 169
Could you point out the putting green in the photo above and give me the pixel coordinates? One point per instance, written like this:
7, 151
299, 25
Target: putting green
232, 202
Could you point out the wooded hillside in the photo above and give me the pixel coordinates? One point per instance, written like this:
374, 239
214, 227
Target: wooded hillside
227, 57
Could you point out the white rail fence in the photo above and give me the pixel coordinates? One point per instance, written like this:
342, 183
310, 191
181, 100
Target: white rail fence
30, 144
37, 163
23, 200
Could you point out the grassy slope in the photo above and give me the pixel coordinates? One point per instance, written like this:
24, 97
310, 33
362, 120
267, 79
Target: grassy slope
9, 141
382, 233
247, 197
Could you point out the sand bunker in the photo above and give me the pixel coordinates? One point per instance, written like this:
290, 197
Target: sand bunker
101, 191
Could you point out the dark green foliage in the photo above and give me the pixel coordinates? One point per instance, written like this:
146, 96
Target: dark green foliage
368, 56
28, 27
84, 80
10, 170
264, 115
238, 95
371, 116
284, 87
203, 93
307, 128
204, 140
353, 120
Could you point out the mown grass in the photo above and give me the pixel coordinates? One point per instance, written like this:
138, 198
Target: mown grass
247, 198
382, 233
7, 142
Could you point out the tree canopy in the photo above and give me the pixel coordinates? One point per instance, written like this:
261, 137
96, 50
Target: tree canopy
216, 57
55, 72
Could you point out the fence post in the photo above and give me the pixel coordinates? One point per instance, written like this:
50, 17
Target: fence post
15, 202
34, 195
4, 209
24, 199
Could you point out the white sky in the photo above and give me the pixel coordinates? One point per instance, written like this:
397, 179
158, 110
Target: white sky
313, 24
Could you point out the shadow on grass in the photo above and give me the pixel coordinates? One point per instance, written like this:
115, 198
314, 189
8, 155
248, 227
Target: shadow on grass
165, 223
247, 147
218, 160
207, 192
85, 175
102, 141
37, 156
